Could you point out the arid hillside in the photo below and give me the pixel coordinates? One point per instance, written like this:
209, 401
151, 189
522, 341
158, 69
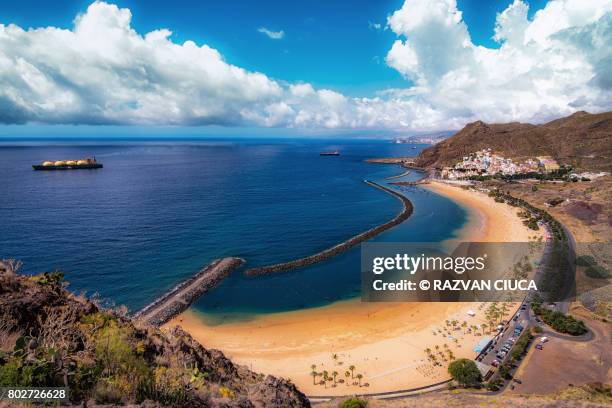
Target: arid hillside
52, 338
582, 140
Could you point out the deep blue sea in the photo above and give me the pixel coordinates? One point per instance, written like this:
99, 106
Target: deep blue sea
159, 210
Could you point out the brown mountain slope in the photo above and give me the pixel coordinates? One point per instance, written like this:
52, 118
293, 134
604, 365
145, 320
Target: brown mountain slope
582, 140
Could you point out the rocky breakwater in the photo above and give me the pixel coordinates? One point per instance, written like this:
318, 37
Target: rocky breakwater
183, 295
343, 246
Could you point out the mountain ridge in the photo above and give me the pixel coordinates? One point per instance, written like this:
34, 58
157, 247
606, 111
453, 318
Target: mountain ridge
582, 140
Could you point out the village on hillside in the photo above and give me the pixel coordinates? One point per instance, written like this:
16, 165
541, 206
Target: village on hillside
486, 164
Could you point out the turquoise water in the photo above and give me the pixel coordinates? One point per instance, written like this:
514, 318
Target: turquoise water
160, 210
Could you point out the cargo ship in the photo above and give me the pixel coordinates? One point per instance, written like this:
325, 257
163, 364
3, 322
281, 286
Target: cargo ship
335, 153
87, 163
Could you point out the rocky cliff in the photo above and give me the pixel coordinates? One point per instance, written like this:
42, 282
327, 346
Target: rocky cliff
50, 337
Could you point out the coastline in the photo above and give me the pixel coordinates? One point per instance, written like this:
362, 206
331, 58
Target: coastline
366, 335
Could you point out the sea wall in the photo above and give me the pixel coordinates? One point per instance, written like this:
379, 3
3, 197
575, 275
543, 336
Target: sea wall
344, 246
179, 298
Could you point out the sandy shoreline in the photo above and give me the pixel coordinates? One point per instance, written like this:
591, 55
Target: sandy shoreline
384, 341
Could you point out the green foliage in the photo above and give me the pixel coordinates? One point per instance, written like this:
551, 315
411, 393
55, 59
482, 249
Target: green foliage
597, 272
149, 389
47, 278
504, 372
465, 372
354, 402
560, 322
115, 352
521, 345
586, 260
495, 385
10, 374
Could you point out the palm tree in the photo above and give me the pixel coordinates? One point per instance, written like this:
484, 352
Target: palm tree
428, 350
437, 347
334, 374
352, 368
314, 377
347, 374
483, 326
335, 357
359, 377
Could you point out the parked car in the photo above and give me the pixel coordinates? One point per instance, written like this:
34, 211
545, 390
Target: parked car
539, 347
516, 380
495, 363
543, 339
515, 318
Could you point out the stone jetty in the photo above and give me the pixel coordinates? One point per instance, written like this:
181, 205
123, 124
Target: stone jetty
178, 299
344, 246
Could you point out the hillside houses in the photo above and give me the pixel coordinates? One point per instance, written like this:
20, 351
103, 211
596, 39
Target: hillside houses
486, 163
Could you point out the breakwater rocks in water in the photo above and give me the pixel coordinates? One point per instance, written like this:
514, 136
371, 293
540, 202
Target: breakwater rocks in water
184, 294
344, 246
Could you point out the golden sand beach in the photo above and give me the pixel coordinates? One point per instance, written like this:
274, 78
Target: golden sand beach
385, 342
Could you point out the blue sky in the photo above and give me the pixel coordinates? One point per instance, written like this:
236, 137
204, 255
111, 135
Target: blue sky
333, 66
330, 44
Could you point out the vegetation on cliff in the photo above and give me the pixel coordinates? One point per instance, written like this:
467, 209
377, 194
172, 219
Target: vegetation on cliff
50, 337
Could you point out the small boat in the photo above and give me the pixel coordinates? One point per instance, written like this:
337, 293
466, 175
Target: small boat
334, 153
87, 163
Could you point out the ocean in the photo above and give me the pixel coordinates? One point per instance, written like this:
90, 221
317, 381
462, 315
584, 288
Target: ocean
159, 210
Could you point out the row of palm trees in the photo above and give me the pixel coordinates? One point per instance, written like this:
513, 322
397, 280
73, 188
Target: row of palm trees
327, 377
495, 313
431, 356
473, 328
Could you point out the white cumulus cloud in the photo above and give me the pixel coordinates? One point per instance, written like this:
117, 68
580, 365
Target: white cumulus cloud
101, 71
275, 35
549, 66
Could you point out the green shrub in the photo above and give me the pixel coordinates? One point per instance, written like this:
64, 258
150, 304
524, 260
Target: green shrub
521, 345
148, 389
504, 372
597, 272
465, 372
560, 322
354, 402
10, 374
586, 260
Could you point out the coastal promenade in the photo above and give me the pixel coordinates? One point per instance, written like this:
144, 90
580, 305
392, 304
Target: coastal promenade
184, 294
343, 246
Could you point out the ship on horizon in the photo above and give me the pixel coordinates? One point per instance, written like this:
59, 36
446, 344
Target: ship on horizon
334, 153
87, 163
